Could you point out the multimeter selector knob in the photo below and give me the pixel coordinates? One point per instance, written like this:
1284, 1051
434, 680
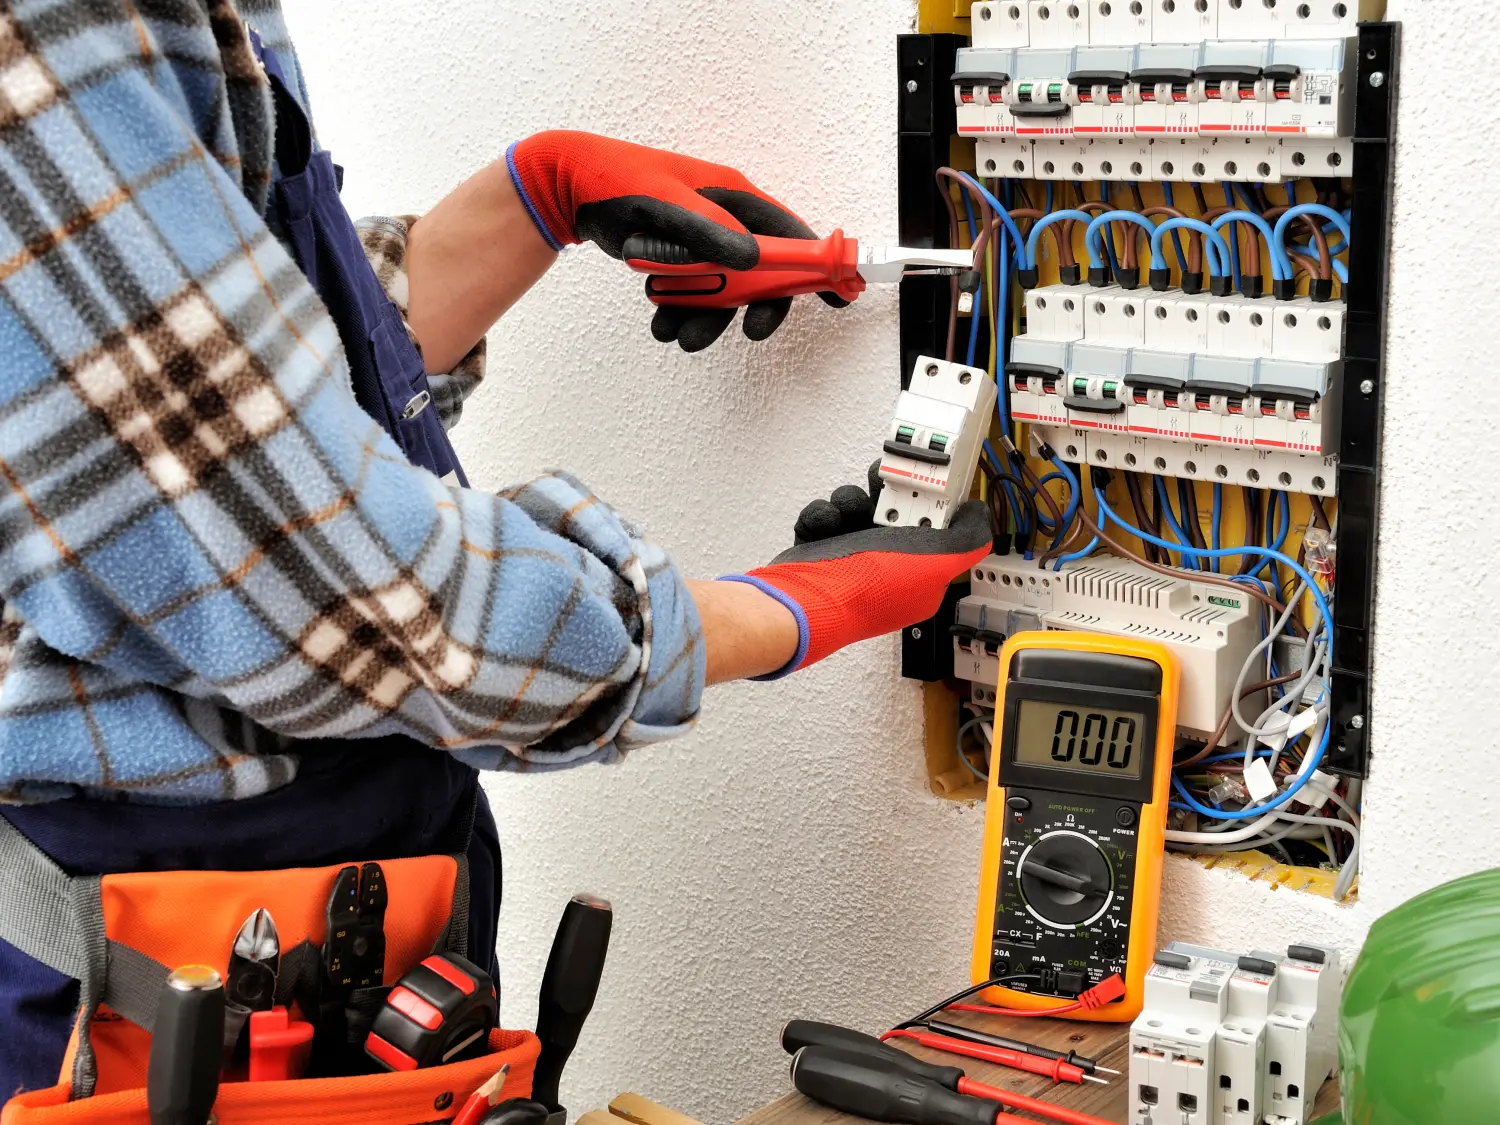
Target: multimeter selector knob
1066, 878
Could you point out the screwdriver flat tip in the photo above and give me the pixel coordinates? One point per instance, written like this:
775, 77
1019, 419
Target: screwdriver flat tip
1091, 1078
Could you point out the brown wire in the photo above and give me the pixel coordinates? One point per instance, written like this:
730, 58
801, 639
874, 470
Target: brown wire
1213, 740
1064, 244
1142, 516
1249, 248
1195, 238
1190, 523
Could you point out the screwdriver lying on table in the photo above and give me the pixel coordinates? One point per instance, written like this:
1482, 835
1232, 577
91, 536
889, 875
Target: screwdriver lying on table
806, 1033
788, 267
898, 1088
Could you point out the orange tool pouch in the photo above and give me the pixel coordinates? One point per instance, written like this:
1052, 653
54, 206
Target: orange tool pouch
119, 935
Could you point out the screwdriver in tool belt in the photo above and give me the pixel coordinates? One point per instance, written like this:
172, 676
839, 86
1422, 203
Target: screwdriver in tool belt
908, 1091
1082, 1062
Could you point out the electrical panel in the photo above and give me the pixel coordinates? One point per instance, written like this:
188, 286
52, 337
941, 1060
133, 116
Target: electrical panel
1228, 1039
1180, 211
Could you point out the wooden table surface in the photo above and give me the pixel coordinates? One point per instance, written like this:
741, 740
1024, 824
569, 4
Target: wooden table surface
1108, 1043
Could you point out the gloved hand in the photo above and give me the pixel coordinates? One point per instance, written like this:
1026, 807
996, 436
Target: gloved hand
579, 187
848, 579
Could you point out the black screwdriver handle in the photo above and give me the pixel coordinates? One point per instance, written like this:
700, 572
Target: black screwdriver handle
809, 1033
187, 1042
854, 1083
569, 985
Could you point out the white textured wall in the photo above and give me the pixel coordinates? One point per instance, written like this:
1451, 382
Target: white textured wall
786, 860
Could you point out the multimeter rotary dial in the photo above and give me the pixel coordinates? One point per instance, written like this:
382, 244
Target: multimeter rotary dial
1065, 879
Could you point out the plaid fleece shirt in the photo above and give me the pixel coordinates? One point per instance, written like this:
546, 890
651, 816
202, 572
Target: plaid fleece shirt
209, 555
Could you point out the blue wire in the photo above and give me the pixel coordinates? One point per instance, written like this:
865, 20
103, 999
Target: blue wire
1075, 498
1281, 265
1048, 207
1091, 234
1166, 506
1076, 555
1291, 214
1001, 211
1166, 195
1216, 250
1034, 237
1234, 239
1312, 761
1217, 521
1002, 284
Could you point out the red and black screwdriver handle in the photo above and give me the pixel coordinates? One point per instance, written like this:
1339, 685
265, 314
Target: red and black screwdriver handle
788, 267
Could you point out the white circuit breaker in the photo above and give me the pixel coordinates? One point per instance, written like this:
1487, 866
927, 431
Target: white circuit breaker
1172, 1041
1221, 389
932, 447
1196, 90
1234, 1040
1301, 1033
1210, 629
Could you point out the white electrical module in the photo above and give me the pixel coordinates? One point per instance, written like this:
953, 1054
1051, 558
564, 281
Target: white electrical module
1172, 1041
1210, 629
932, 448
1301, 1033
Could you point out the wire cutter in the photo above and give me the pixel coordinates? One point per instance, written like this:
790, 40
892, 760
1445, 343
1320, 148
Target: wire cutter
788, 267
251, 981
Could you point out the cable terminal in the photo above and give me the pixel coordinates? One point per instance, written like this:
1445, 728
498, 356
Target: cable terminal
1230, 789
1321, 551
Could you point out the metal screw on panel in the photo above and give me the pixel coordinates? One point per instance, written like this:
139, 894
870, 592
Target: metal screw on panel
1377, 79
1367, 387
916, 633
1357, 722
911, 85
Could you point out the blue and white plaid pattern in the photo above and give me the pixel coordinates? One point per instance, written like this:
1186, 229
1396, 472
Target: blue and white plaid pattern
208, 553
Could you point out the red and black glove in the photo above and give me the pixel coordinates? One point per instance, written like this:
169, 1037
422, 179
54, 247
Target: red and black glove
849, 579
579, 187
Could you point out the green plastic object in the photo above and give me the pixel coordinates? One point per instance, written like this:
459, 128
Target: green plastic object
1419, 1022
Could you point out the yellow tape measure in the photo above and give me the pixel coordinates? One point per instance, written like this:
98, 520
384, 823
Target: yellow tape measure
1070, 886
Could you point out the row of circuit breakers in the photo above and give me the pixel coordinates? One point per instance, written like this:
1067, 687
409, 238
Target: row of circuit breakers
1174, 90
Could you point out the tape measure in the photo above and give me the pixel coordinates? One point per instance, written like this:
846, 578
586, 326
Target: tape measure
1070, 886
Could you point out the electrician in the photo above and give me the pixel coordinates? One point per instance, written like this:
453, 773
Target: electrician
240, 565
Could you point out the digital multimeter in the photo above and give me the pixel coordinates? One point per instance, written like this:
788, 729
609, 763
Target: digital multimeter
1071, 879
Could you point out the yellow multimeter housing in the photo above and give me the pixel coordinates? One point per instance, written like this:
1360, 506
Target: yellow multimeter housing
1080, 770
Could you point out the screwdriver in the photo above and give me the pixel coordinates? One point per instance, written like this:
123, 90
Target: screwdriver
1082, 1062
910, 1092
1055, 1069
569, 985
805, 1033
187, 1041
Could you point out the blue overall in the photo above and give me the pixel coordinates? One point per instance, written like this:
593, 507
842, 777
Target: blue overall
352, 800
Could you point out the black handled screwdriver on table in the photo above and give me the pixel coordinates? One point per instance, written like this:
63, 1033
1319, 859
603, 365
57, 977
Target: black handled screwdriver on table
885, 1084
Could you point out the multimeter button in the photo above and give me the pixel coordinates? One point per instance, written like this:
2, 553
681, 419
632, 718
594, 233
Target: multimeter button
1071, 984
1018, 804
1124, 816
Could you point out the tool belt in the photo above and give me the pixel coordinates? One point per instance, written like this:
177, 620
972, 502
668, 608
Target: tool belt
118, 935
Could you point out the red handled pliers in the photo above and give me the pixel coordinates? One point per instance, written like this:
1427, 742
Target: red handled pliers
788, 267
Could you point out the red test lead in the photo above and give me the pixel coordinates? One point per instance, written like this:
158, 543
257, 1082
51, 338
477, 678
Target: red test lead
1055, 1069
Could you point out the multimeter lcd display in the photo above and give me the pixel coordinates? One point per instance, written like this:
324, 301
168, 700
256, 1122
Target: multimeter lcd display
1071, 737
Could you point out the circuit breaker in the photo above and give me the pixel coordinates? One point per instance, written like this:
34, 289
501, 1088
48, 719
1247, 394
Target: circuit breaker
932, 446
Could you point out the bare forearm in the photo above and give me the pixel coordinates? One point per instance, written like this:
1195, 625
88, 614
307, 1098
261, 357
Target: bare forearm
468, 260
745, 632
